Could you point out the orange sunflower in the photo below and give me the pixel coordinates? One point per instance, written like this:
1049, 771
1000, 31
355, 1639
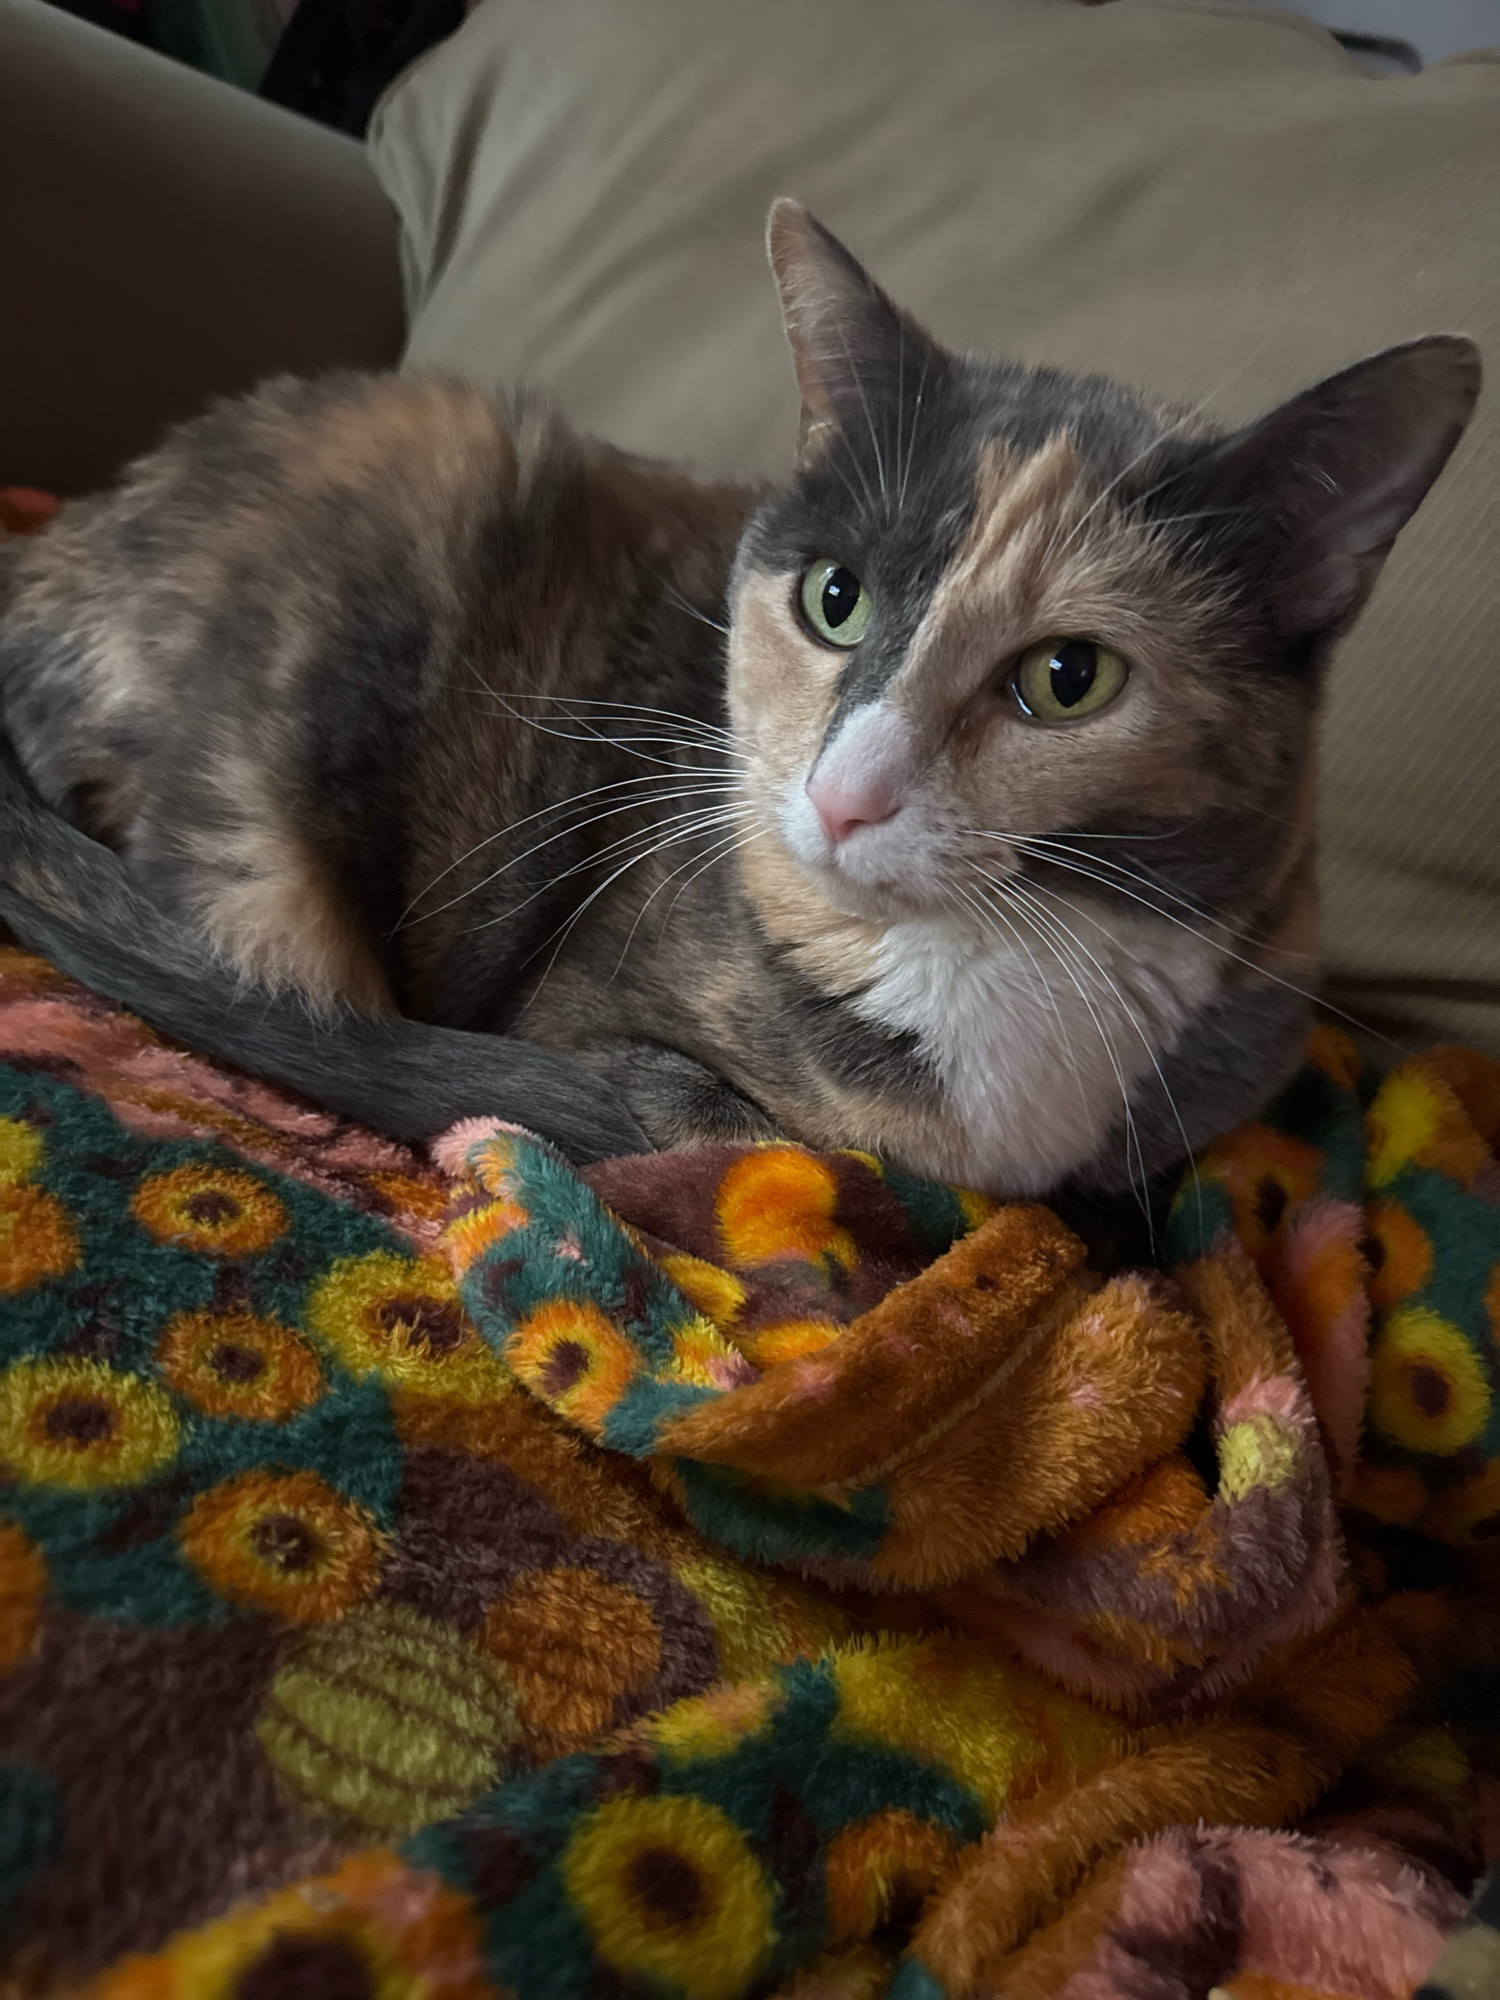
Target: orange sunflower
573, 1357
237, 1365
217, 1210
1400, 1254
23, 1587
284, 1542
882, 1867
37, 1238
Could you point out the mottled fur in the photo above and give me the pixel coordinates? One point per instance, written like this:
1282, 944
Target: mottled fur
393, 694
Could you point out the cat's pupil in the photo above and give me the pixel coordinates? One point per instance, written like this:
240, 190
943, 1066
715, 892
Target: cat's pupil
840, 595
1075, 666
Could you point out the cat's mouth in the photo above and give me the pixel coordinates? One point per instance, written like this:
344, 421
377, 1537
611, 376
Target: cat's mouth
907, 865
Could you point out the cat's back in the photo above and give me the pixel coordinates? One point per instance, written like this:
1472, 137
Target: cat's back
307, 519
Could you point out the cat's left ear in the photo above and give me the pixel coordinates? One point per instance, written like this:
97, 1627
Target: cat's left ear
1338, 471
860, 362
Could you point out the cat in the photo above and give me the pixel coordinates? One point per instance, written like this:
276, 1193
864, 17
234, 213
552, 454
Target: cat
954, 800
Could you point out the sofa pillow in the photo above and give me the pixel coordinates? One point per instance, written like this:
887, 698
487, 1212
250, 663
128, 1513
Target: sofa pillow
1213, 203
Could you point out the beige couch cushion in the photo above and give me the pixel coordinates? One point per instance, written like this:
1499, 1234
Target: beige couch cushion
1214, 203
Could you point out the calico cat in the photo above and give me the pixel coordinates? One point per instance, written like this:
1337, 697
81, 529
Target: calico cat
954, 800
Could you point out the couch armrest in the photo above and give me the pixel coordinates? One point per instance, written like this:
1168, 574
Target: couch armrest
163, 239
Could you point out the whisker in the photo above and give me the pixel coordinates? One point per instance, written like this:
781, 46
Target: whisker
577, 915
980, 903
636, 802
864, 404
728, 813
1188, 417
714, 624
1290, 986
1032, 911
1134, 1020
620, 707
911, 443
732, 845
514, 826
644, 834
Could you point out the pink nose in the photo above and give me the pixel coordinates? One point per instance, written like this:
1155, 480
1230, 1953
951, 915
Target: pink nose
842, 808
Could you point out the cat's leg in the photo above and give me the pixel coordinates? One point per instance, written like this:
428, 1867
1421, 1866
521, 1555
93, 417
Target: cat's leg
679, 1102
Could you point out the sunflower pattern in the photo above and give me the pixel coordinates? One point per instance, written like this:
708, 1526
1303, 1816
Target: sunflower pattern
1368, 1203
398, 1318
216, 1210
236, 1364
77, 1423
451, 1699
283, 1542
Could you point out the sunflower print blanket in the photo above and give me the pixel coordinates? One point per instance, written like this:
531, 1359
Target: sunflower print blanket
739, 1571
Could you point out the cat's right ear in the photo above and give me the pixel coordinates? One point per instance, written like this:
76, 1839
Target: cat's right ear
1340, 469
859, 360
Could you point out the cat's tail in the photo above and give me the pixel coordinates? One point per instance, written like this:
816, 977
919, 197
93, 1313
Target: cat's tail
70, 899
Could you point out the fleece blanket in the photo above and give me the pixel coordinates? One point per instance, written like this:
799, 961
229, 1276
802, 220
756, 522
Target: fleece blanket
736, 1571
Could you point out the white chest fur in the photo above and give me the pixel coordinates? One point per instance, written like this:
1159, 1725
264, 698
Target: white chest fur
1036, 1043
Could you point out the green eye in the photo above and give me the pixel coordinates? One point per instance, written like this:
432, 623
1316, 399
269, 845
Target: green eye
835, 603
1064, 679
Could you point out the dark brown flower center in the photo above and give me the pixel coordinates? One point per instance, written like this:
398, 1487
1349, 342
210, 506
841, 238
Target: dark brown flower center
666, 1885
563, 1366
306, 1968
436, 1324
285, 1543
210, 1208
234, 1363
1430, 1390
1270, 1203
79, 1420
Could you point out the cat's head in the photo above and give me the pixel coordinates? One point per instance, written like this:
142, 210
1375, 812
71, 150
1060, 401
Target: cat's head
1007, 626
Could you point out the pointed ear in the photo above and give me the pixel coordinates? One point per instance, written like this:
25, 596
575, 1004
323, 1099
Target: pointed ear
857, 358
1338, 471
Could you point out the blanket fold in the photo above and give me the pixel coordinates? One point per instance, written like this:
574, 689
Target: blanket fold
735, 1571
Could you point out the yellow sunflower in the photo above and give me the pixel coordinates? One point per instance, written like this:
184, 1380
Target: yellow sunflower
66, 1421
21, 1149
1416, 1119
216, 1210
238, 1365
283, 1542
37, 1238
671, 1892
1428, 1389
400, 1318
